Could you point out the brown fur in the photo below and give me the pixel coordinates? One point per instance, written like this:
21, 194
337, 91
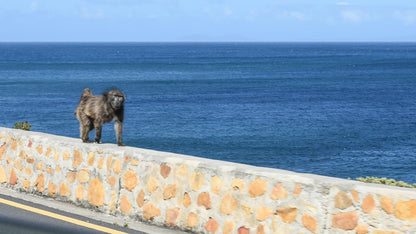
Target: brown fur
93, 111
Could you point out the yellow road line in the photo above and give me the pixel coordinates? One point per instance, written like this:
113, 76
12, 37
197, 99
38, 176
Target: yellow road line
61, 217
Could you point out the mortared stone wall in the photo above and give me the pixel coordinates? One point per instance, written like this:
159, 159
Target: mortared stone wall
197, 194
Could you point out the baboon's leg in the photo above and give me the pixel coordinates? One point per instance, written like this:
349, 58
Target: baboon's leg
98, 129
85, 127
118, 127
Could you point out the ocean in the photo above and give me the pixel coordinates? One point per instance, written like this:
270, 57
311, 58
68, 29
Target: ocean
337, 109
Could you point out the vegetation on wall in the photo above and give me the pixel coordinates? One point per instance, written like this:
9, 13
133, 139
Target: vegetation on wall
22, 125
386, 181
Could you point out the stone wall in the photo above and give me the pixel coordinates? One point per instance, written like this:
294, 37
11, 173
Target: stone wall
197, 194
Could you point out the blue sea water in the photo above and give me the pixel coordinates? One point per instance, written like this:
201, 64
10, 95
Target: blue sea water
335, 109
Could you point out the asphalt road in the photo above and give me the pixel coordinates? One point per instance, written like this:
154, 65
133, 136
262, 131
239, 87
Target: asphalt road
19, 216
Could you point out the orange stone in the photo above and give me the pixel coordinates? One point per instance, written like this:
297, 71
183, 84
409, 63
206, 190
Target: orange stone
9, 160
405, 210
100, 151
169, 192
30, 160
30, 144
49, 170
216, 184
111, 180
127, 159
192, 220
152, 184
66, 156
14, 145
9, 139
246, 209
345, 221
172, 216
288, 214
297, 190
130, 180
77, 158
3, 176
278, 192
40, 182
257, 187
52, 189
112, 204
387, 205
310, 223
39, 149
383, 232
197, 180
237, 184
260, 229
228, 227
56, 155
212, 225
109, 162
91, 158
3, 150
125, 205
71, 176
28, 171
140, 198
150, 211
80, 192
342, 201
22, 154
100, 163
13, 178
186, 200
57, 169
18, 164
48, 152
164, 170
26, 184
83, 176
134, 162
368, 204
228, 204
96, 194
182, 170
204, 200
39, 166
355, 195
243, 230
64, 189
362, 229
263, 213
117, 166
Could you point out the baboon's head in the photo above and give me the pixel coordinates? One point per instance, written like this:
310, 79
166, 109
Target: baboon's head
116, 98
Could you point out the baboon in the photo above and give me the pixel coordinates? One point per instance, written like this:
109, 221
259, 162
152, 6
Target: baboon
93, 111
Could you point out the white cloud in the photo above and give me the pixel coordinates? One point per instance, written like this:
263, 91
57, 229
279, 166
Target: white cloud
352, 16
343, 3
407, 17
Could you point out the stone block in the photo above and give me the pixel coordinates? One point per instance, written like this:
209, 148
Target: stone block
342, 201
3, 176
91, 158
140, 198
125, 205
164, 170
288, 214
237, 184
152, 184
257, 187
204, 199
387, 205
263, 213
228, 227
192, 220
95, 193
243, 230
278, 192
197, 180
169, 192
186, 200
362, 229
3, 150
212, 225
150, 211
216, 184
228, 204
117, 166
64, 189
405, 210
345, 221
52, 188
172, 216
130, 180
40, 182
13, 178
83, 176
368, 204
310, 223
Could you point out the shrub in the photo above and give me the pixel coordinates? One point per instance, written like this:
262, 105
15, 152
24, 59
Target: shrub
22, 125
385, 181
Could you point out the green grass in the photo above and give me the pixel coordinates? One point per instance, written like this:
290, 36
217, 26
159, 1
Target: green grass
386, 181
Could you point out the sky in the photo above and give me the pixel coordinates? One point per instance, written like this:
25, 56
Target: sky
207, 21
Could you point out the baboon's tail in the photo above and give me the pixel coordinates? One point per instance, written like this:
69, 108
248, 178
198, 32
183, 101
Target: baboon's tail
85, 95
